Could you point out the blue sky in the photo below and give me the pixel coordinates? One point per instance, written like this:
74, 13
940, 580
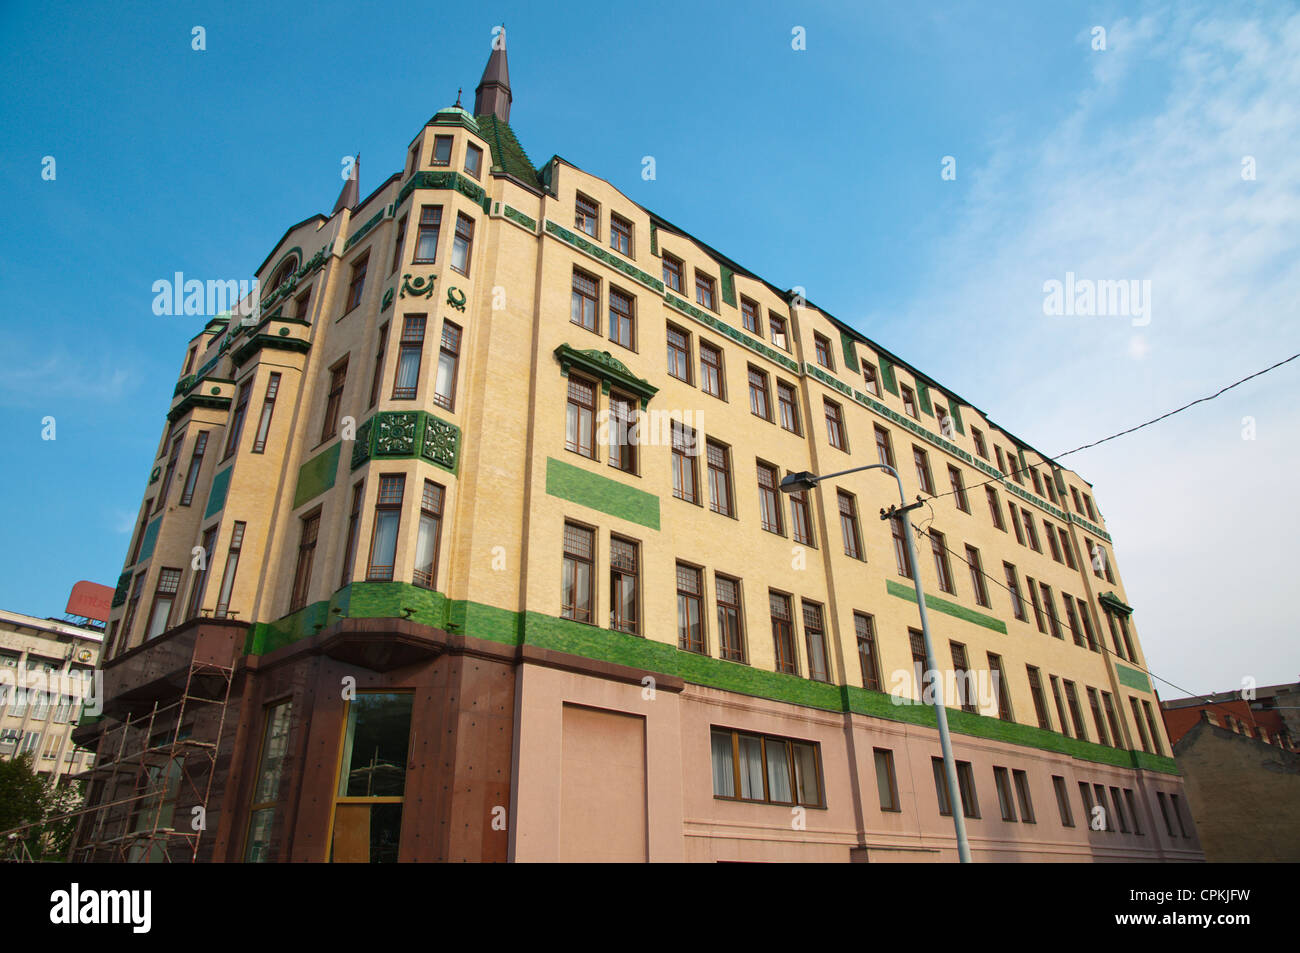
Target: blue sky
1123, 163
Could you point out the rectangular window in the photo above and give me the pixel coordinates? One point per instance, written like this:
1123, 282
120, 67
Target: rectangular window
1112, 718
620, 235
995, 508
977, 576
800, 521
719, 462
760, 404
1033, 599
409, 355
966, 688
884, 447
783, 633
228, 576
679, 354
1038, 485
1164, 812
822, 347
580, 417
399, 242
1049, 609
1151, 726
848, 508
1040, 702
1053, 543
426, 240
199, 580
1085, 794
909, 401
372, 778
128, 619
1022, 795
577, 595
334, 400
731, 633
350, 546
1063, 800
1030, 532
901, 555
814, 632
1076, 714
1013, 585
886, 781
835, 425
769, 505
921, 671
871, 378
922, 461
749, 316
268, 408
1060, 705
705, 295
672, 272
196, 464
776, 324
444, 386
624, 584
1133, 811
236, 428
622, 420
868, 653
441, 150
429, 536
965, 787
388, 517
172, 460
761, 768
266, 788
1072, 620
169, 581
788, 404
357, 284
586, 216
686, 484
1066, 549
622, 319
958, 489
306, 556
999, 676
1094, 703
473, 159
585, 301
1006, 802
462, 246
710, 369
378, 375
939, 549
1078, 504
690, 609
978, 437
1092, 514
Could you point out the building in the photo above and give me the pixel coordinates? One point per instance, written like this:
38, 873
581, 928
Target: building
46, 669
1243, 792
1267, 713
497, 567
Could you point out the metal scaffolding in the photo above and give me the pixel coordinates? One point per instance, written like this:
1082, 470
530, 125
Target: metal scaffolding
147, 767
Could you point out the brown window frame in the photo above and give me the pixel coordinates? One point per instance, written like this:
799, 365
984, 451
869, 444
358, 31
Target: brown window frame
836, 431
334, 400
864, 628
309, 533
387, 502
685, 462
712, 376
430, 227
731, 618
620, 619
357, 282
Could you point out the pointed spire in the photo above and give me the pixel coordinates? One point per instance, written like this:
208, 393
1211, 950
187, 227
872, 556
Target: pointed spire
493, 93
351, 193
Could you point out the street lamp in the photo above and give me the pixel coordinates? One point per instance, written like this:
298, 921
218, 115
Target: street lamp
803, 480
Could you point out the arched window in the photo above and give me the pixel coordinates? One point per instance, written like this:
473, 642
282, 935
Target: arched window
284, 272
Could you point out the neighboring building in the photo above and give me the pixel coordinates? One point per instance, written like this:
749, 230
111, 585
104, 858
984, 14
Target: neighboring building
1270, 716
45, 672
1243, 792
500, 455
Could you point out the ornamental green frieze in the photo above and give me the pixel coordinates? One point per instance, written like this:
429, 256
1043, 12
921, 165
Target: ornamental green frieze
607, 368
595, 251
441, 441
519, 218
395, 434
414, 433
442, 180
456, 298
418, 287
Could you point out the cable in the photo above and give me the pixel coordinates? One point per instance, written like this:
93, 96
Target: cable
1114, 436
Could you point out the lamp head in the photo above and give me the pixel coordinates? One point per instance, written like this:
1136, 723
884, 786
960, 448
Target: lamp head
795, 482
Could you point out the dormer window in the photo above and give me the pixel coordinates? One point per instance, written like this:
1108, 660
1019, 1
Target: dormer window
587, 216
442, 150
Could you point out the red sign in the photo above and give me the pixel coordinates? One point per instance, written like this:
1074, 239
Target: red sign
91, 600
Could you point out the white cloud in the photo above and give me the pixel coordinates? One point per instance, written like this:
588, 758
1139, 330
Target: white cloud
1142, 180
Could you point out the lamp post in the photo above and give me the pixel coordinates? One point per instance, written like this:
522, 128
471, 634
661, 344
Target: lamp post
803, 480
